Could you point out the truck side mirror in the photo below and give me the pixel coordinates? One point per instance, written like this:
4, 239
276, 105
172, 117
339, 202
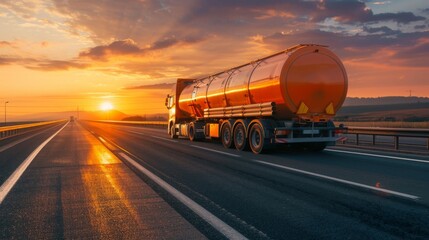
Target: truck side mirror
166, 101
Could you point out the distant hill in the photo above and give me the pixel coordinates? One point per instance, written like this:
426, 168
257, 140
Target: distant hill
407, 112
148, 117
356, 101
97, 115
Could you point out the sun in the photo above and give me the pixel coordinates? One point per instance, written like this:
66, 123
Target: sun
106, 106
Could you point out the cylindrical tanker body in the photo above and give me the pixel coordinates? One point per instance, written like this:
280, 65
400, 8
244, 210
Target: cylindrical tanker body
288, 97
307, 81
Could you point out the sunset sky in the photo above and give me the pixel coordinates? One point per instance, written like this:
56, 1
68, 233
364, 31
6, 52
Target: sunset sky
57, 55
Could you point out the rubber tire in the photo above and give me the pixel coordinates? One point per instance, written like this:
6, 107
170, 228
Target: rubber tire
192, 133
240, 139
226, 136
256, 138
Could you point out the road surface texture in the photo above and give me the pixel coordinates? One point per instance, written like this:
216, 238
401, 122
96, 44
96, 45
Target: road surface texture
80, 186
77, 189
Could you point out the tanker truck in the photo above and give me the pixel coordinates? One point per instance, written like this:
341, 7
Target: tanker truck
286, 98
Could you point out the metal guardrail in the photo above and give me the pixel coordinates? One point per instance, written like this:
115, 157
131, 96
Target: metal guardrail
17, 129
396, 133
140, 123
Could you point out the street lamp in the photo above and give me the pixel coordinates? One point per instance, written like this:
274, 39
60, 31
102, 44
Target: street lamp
5, 112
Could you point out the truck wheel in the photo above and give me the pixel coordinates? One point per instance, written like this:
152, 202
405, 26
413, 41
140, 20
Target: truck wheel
240, 140
256, 138
173, 132
193, 134
226, 136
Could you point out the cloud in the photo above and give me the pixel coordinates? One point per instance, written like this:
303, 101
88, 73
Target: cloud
158, 40
383, 30
5, 44
130, 47
23, 8
6, 61
153, 86
381, 2
420, 27
171, 41
237, 13
406, 49
401, 17
56, 65
42, 64
355, 12
122, 47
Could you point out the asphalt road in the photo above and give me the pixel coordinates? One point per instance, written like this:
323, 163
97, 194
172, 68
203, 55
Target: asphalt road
75, 188
340, 193
261, 200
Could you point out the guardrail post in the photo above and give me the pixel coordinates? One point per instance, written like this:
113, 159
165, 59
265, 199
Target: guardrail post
373, 139
396, 142
357, 139
428, 145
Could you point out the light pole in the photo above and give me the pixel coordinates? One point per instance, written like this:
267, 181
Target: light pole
5, 112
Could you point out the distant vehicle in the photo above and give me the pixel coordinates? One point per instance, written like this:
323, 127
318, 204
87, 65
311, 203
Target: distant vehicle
286, 98
71, 118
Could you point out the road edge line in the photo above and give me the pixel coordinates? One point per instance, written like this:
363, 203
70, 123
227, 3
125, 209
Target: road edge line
377, 155
404, 195
13, 179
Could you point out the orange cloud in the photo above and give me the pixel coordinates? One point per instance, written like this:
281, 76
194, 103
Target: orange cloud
122, 47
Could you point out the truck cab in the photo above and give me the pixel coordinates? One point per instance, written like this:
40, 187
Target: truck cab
175, 115
171, 106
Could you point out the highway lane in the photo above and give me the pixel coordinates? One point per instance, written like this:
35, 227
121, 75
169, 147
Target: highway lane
268, 201
26, 142
75, 188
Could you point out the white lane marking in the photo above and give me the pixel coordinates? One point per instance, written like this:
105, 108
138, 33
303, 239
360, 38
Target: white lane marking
110, 146
405, 195
162, 138
377, 155
11, 181
216, 151
218, 224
